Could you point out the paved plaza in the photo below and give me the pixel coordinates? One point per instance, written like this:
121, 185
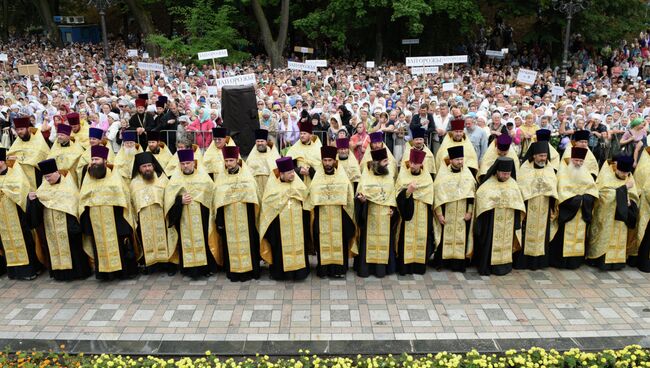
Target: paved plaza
549, 304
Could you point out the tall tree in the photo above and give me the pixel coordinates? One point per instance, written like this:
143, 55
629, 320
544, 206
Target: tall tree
274, 46
142, 16
45, 11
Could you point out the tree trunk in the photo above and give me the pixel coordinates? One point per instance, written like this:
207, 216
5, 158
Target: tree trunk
274, 47
379, 37
147, 28
5, 21
48, 22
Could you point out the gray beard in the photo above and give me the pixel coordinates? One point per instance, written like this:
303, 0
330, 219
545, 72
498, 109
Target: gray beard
261, 149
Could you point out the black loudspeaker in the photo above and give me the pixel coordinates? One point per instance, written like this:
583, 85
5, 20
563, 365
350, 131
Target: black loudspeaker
240, 116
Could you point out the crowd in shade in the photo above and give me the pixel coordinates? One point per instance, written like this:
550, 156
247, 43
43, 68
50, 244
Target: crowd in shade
390, 171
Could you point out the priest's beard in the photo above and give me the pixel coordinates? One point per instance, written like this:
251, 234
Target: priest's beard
574, 170
188, 171
343, 156
458, 168
261, 148
26, 137
415, 172
329, 170
148, 175
155, 151
621, 178
500, 179
97, 171
540, 163
129, 150
379, 169
233, 170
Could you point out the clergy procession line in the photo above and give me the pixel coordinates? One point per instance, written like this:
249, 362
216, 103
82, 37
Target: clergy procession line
75, 208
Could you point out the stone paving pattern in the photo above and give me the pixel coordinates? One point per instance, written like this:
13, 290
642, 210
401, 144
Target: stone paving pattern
439, 305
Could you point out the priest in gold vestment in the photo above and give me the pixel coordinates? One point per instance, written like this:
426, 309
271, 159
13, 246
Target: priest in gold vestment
79, 132
577, 194
28, 150
350, 167
418, 143
615, 215
17, 243
158, 241
235, 204
414, 191
500, 147
54, 211
377, 143
377, 218
331, 200
454, 190
261, 160
457, 137
639, 251
538, 184
158, 148
497, 228
95, 138
126, 155
188, 203
65, 151
306, 153
581, 139
173, 165
284, 225
213, 156
107, 219
544, 135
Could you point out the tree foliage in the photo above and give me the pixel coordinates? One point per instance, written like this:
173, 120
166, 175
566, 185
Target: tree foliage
206, 29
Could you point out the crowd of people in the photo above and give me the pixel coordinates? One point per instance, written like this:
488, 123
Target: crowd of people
377, 165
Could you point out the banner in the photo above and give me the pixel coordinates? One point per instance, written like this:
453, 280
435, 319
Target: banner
301, 66
494, 54
238, 80
317, 63
132, 53
411, 41
526, 76
150, 66
435, 60
216, 54
370, 64
304, 50
418, 70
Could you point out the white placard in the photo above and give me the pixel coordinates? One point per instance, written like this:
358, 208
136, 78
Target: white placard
494, 54
526, 76
132, 53
301, 66
238, 80
150, 66
447, 87
370, 64
317, 63
213, 90
411, 41
505, 50
557, 91
418, 70
216, 54
145, 55
435, 60
4, 57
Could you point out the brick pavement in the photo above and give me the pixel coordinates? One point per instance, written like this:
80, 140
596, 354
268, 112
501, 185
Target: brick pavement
439, 305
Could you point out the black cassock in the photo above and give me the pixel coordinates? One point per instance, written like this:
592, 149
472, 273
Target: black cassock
167, 131
145, 121
521, 261
333, 270
274, 238
642, 259
80, 263
624, 213
254, 245
568, 210
175, 220
125, 246
406, 207
363, 268
483, 231
456, 265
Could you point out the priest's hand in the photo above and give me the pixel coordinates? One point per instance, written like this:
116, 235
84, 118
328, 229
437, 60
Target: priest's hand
139, 130
468, 216
32, 196
304, 171
361, 197
411, 188
187, 199
441, 219
629, 184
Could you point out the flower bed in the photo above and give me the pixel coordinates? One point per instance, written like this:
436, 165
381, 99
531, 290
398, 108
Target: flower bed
631, 356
